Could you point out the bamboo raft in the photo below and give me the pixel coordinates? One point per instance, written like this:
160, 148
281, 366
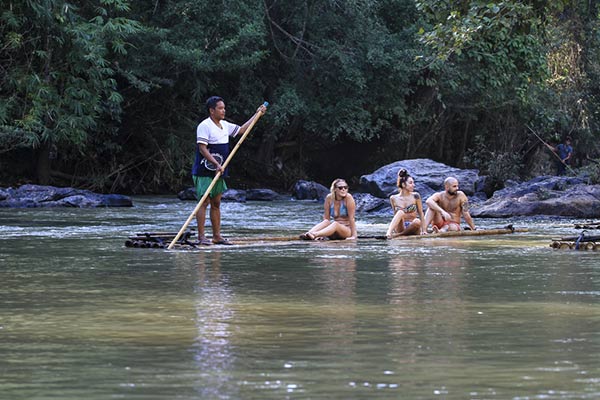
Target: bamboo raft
588, 225
581, 242
161, 240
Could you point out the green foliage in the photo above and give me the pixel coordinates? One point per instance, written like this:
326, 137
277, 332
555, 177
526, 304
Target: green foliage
352, 69
497, 166
500, 44
60, 84
118, 87
592, 171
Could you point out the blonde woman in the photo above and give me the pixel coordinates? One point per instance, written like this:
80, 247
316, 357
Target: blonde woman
408, 209
338, 218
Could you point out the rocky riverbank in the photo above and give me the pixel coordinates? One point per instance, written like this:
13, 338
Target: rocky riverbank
543, 195
30, 196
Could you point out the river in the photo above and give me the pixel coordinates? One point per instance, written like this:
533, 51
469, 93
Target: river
84, 317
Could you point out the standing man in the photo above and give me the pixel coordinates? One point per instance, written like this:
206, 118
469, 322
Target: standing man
212, 138
444, 209
564, 151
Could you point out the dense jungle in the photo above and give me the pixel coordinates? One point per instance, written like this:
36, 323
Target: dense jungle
106, 94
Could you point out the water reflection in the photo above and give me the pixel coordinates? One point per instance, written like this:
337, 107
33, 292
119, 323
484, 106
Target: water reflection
214, 315
83, 317
405, 277
427, 276
338, 277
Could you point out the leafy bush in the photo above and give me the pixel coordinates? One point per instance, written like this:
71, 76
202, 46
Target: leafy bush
592, 171
497, 166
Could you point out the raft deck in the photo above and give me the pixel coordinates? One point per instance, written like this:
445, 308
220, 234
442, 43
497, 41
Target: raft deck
162, 240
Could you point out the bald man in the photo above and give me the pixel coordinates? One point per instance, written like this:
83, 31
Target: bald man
444, 209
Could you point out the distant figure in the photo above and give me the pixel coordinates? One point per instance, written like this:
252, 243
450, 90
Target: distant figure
564, 151
212, 149
445, 208
338, 218
408, 209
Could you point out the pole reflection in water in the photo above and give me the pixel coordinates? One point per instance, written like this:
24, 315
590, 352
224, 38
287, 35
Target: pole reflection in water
214, 314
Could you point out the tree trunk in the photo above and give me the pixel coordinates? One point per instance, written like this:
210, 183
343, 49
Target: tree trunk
463, 145
266, 152
43, 159
43, 163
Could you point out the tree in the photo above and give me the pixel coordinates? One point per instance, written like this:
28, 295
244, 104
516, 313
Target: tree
486, 59
59, 62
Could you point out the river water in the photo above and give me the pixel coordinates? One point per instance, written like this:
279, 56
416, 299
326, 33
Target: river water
84, 317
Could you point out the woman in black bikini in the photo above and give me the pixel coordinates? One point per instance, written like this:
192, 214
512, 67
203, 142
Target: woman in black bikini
408, 208
338, 219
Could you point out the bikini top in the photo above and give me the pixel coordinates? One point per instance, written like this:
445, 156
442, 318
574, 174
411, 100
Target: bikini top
409, 209
343, 209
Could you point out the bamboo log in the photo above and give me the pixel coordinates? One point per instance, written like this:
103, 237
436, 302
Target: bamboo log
478, 232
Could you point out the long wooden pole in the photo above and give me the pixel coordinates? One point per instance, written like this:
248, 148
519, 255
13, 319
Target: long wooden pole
551, 149
217, 176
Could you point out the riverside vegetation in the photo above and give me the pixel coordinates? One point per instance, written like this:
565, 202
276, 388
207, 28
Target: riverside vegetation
105, 95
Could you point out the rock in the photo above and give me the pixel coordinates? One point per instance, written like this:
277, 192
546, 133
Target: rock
309, 190
544, 195
28, 196
77, 200
537, 184
262, 195
235, 195
367, 203
187, 194
429, 178
5, 193
116, 200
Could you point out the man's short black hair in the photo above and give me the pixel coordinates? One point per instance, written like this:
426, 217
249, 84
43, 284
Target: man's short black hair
212, 102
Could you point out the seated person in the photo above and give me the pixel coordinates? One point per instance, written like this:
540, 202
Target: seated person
408, 209
338, 219
444, 209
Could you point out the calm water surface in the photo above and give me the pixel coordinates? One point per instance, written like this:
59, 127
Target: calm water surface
83, 317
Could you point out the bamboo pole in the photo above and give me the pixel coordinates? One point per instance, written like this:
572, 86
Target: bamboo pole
552, 150
217, 176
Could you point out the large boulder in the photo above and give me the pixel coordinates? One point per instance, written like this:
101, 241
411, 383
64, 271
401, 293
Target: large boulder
29, 196
544, 195
309, 190
429, 178
367, 203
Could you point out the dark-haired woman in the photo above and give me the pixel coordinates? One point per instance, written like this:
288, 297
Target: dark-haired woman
338, 218
408, 209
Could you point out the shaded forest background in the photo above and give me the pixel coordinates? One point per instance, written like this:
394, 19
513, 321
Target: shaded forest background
106, 94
